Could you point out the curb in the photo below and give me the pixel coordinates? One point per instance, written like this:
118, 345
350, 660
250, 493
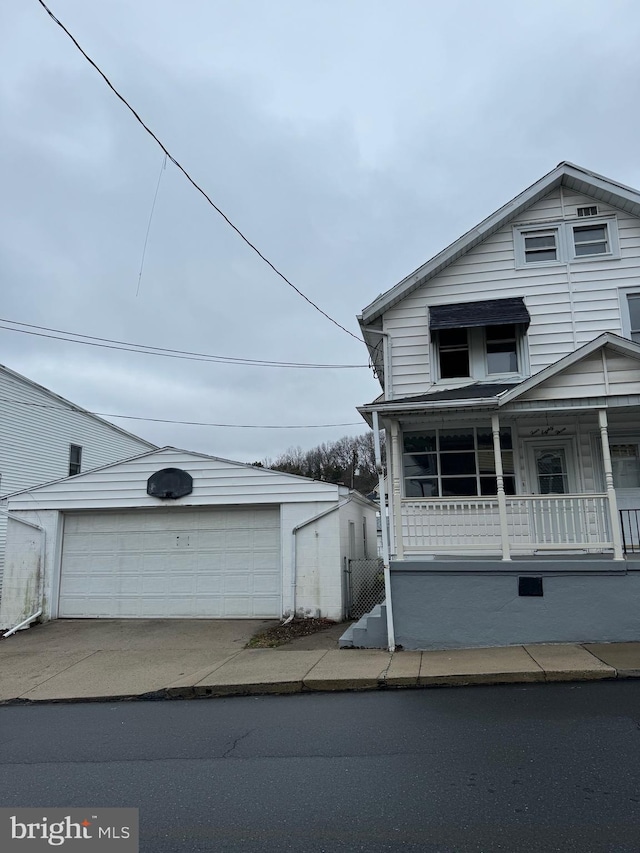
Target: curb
347, 685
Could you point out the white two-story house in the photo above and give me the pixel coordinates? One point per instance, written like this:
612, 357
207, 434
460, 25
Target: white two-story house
45, 437
510, 373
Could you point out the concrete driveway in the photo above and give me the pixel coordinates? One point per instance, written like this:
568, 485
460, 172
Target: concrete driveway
115, 657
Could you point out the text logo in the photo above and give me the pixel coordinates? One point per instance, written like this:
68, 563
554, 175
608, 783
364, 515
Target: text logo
89, 829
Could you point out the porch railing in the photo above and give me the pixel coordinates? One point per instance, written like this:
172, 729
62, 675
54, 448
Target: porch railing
630, 525
534, 522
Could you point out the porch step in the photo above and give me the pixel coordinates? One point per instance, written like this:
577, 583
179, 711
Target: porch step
370, 632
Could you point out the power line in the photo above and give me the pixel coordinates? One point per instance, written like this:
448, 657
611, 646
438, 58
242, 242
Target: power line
188, 176
184, 423
153, 207
145, 349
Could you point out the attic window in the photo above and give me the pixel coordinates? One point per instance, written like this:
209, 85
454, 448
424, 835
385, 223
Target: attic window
540, 246
591, 240
591, 210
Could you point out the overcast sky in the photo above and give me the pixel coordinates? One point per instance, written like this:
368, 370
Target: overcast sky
350, 140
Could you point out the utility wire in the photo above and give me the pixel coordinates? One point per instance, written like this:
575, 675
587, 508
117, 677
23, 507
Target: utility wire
127, 346
185, 423
146, 237
188, 176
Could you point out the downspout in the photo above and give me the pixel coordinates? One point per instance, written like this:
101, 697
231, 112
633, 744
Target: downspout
293, 547
391, 640
43, 540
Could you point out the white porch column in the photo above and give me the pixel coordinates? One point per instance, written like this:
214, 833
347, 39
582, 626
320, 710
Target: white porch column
616, 534
391, 640
502, 498
396, 488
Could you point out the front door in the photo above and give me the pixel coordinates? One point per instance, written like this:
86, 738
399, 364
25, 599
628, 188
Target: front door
551, 470
556, 521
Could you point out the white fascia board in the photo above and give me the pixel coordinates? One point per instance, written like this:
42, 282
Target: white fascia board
565, 173
617, 343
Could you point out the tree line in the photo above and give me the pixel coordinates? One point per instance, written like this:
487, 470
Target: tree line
349, 461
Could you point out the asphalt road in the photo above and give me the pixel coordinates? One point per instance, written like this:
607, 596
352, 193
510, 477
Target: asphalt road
513, 768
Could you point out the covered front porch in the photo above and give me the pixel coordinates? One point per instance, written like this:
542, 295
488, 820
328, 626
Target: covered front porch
517, 482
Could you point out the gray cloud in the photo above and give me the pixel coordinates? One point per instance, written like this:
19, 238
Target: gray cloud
349, 141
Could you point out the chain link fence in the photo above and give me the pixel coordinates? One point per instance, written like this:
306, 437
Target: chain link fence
364, 586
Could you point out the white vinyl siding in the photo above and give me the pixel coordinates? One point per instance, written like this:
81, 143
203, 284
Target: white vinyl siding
179, 563
36, 430
569, 304
216, 482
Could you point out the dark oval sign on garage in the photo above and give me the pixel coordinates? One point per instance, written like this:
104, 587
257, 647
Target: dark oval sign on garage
170, 483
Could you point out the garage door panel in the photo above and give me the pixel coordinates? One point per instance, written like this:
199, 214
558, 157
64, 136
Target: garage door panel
172, 563
267, 584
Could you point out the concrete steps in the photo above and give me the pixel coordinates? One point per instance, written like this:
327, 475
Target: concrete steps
370, 632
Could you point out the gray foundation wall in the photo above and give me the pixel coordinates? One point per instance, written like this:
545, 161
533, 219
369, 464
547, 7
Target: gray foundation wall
446, 607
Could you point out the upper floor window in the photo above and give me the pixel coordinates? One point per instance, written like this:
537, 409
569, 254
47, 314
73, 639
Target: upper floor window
630, 314
566, 242
540, 246
480, 352
501, 349
75, 459
453, 353
590, 240
478, 339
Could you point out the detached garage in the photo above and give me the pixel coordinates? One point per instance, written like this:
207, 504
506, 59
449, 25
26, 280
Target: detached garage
175, 534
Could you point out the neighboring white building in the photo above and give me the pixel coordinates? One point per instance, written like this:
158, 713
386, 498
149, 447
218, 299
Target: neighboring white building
44, 437
510, 369
240, 542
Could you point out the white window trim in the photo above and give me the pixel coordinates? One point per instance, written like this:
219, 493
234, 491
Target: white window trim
565, 245
594, 221
478, 359
519, 233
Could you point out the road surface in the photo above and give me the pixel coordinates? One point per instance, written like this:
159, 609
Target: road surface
514, 768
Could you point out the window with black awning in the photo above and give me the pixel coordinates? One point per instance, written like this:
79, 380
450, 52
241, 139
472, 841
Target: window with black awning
479, 339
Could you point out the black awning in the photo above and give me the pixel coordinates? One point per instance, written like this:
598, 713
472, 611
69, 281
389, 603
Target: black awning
490, 312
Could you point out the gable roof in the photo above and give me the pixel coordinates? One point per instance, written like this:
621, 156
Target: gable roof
68, 404
173, 450
608, 339
566, 174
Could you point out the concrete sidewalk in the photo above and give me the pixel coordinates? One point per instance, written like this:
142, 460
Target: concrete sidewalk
63, 662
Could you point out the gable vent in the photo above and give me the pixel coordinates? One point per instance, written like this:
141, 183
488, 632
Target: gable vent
592, 210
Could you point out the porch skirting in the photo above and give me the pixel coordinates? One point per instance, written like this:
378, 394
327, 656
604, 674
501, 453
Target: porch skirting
463, 603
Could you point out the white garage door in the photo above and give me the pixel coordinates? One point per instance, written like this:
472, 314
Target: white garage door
172, 563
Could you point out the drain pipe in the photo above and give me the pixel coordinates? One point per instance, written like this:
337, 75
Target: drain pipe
43, 540
293, 547
391, 639
22, 624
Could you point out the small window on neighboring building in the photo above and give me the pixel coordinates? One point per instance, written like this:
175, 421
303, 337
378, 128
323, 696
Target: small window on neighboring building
75, 459
502, 349
453, 349
540, 246
591, 240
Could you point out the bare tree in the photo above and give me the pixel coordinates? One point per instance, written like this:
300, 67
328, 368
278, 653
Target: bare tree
349, 461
